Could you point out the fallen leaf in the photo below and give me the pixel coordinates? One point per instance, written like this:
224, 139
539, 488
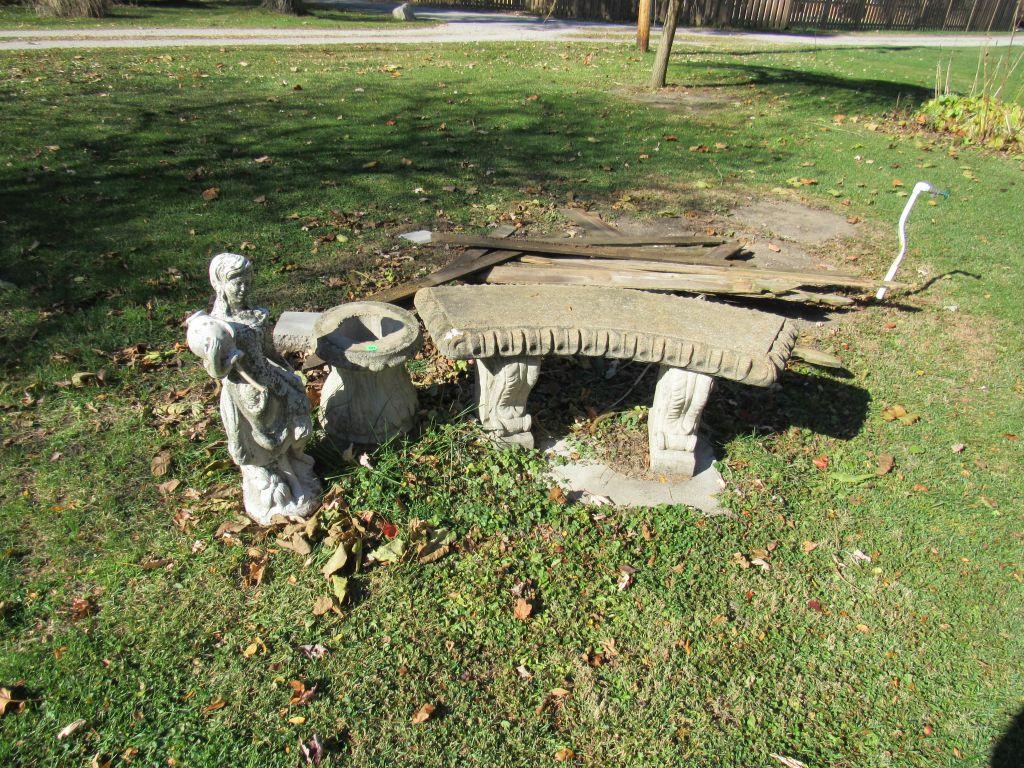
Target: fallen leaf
863, 628
389, 552
10, 703
423, 714
323, 605
885, 464
339, 586
169, 487
69, 729
160, 464
814, 605
213, 706
564, 755
253, 571
82, 607
256, 646
625, 580
297, 720
809, 546
314, 652
297, 542
211, 194
774, 248
821, 462
337, 561
789, 762
958, 447
522, 609
313, 750
557, 495
300, 693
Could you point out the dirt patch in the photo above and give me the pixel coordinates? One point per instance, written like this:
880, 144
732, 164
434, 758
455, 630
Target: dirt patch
791, 220
691, 101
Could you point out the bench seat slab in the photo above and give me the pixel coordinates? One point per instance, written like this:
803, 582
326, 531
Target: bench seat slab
479, 322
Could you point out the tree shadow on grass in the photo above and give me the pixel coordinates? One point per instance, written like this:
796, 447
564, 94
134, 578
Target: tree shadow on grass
865, 94
114, 219
1008, 752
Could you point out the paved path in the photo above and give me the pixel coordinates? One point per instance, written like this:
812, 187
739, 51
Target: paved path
455, 26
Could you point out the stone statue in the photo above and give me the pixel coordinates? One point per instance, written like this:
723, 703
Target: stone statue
263, 403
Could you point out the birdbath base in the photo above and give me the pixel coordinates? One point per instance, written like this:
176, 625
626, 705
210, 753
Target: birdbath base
368, 396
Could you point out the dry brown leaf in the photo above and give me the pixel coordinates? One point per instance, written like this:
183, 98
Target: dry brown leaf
809, 546
557, 495
885, 464
10, 703
213, 706
211, 194
789, 762
82, 607
256, 646
423, 714
300, 693
160, 464
69, 729
169, 487
323, 605
894, 412
564, 755
523, 608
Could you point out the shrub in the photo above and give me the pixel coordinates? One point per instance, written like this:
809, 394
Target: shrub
977, 119
71, 8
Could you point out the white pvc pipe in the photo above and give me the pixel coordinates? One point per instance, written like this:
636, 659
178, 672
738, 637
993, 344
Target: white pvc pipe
921, 186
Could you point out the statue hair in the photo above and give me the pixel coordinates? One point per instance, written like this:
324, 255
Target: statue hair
224, 267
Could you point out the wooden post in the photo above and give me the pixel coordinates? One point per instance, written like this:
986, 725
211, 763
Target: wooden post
668, 33
643, 26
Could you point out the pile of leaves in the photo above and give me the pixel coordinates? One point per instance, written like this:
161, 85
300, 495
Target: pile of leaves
977, 120
354, 542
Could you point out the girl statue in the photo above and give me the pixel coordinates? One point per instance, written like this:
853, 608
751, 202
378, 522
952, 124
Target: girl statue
263, 403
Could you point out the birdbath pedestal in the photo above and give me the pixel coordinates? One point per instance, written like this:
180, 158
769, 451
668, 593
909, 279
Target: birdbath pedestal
368, 396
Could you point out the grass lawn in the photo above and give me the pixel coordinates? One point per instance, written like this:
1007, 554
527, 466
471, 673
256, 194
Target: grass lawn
120, 607
198, 13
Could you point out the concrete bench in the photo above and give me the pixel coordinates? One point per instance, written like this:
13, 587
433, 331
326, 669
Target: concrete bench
507, 329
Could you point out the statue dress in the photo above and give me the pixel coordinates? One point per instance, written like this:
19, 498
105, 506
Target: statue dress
265, 411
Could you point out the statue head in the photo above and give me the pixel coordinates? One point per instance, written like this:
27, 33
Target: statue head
212, 341
230, 276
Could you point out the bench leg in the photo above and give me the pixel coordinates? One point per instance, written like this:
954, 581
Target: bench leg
502, 386
673, 420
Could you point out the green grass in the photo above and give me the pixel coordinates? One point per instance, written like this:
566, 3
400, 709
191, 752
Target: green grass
197, 13
914, 658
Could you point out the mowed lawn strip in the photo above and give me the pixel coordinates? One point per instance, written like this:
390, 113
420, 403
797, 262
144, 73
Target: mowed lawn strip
884, 629
200, 13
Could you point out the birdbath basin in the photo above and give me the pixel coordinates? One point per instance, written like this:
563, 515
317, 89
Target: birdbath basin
368, 396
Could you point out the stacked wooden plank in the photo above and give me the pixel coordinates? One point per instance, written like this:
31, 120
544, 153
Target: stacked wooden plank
692, 264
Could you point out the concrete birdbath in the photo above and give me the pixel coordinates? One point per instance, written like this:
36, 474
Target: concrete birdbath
368, 396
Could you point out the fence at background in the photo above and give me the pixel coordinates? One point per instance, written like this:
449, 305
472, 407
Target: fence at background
953, 15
